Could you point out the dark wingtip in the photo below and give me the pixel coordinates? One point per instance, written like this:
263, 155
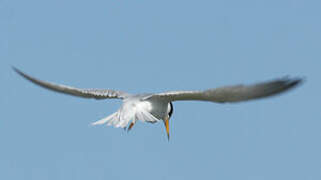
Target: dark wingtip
17, 70
294, 82
288, 83
21, 73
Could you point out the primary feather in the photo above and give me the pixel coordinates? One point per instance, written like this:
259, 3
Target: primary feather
232, 93
86, 93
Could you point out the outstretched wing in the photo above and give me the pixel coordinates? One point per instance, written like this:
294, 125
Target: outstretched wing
86, 93
232, 93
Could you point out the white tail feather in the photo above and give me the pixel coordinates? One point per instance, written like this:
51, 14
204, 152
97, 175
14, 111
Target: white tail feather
126, 114
106, 119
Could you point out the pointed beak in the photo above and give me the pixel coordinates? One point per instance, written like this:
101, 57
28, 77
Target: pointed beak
166, 123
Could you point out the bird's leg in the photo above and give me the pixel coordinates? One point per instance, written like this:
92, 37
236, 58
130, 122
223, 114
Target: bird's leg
130, 126
166, 123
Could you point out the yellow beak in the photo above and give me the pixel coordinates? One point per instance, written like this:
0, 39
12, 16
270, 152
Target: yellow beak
166, 123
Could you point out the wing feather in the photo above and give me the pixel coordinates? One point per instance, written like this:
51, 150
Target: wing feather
233, 93
86, 93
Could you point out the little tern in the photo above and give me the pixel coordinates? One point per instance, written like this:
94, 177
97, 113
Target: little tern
157, 107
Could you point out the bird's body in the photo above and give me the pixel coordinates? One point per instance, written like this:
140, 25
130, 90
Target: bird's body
136, 107
157, 107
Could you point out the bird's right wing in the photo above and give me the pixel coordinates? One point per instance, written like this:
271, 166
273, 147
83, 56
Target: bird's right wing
86, 93
232, 93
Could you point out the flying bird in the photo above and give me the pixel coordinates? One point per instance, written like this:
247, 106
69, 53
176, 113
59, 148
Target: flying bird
156, 107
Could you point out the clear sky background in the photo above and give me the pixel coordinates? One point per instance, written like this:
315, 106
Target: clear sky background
155, 46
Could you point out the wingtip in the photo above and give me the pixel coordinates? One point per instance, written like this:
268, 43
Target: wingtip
293, 82
15, 69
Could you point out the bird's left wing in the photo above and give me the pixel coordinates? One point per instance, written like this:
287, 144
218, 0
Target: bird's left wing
86, 93
232, 93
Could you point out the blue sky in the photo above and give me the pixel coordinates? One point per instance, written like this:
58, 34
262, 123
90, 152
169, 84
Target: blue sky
155, 46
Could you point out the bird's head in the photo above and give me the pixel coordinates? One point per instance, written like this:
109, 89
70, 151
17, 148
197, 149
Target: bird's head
170, 110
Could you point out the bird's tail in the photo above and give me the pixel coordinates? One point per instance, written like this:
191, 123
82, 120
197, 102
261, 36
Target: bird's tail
108, 119
124, 116
117, 119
